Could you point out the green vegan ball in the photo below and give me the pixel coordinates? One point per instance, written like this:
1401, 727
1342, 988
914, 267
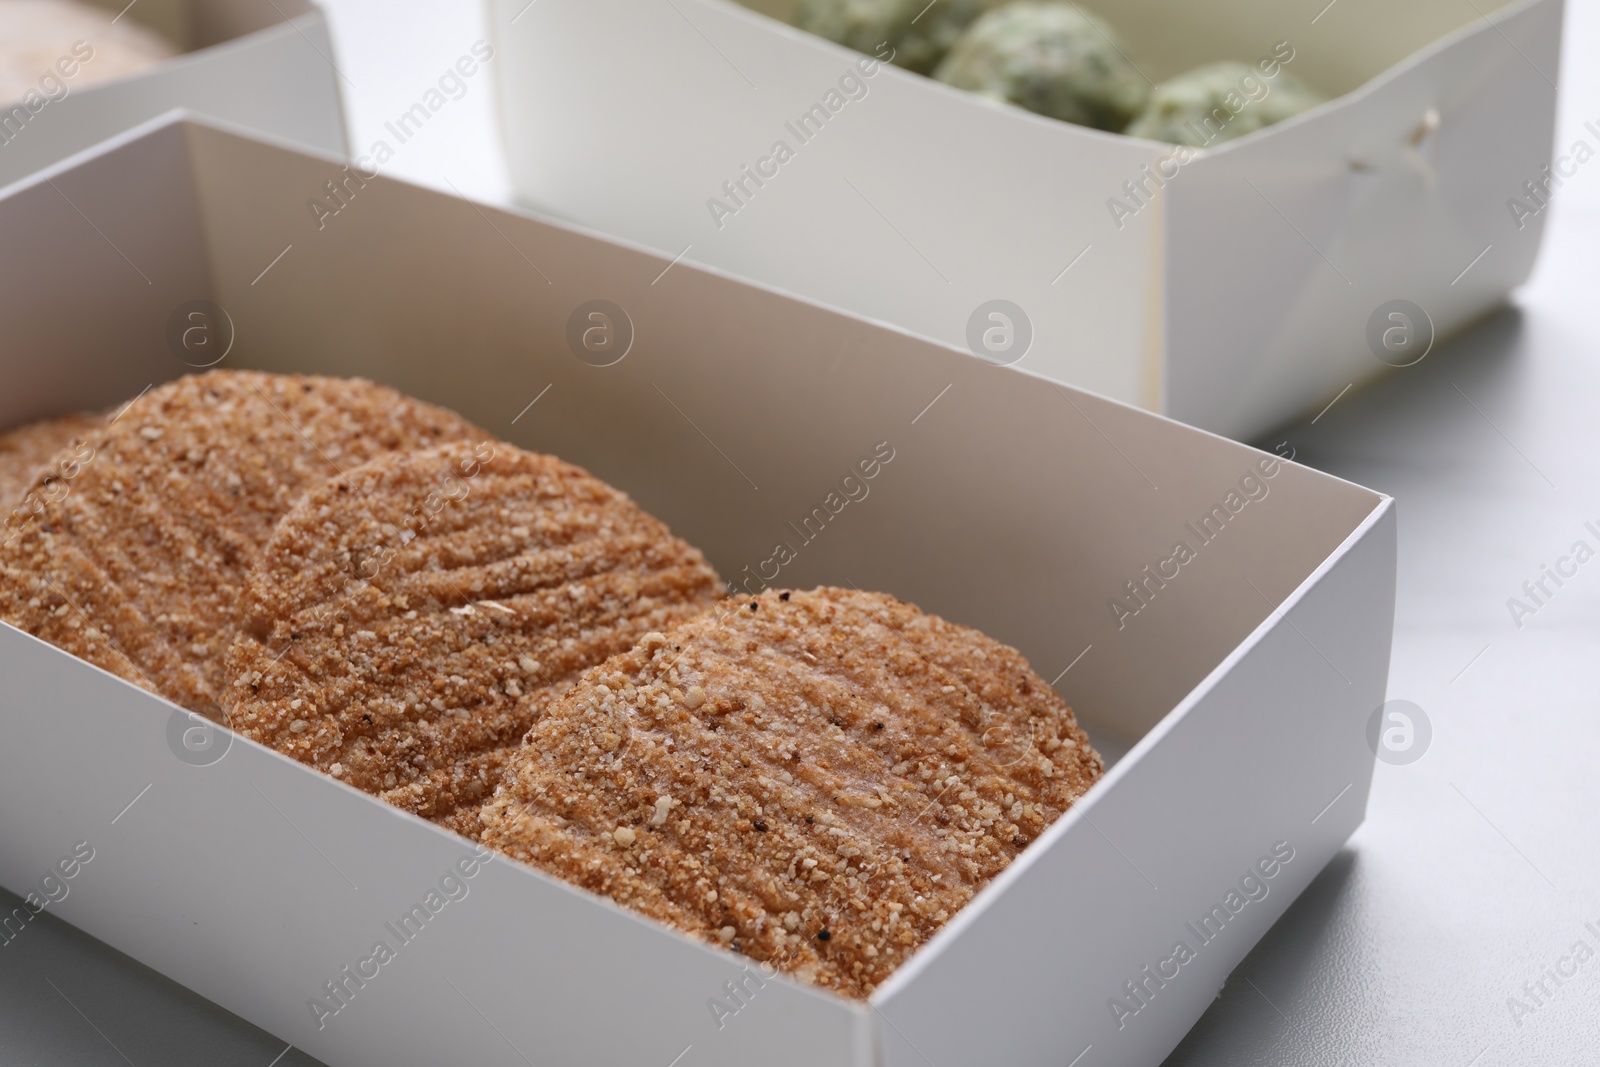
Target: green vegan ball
1050, 57
919, 33
1220, 102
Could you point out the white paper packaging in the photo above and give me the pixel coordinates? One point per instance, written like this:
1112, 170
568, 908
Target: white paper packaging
267, 64
1235, 693
1235, 295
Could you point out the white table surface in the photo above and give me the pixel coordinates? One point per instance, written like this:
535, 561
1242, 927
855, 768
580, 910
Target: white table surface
1478, 865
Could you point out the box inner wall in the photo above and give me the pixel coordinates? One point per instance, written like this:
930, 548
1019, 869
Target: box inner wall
1012, 506
192, 24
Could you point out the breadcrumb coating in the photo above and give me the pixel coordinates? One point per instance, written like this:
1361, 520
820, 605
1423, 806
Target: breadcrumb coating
410, 620
817, 780
27, 452
138, 562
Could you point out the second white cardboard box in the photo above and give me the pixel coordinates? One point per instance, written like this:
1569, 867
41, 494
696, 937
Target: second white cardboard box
267, 64
1233, 694
1234, 296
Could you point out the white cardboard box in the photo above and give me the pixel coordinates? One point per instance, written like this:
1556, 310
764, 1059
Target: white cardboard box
267, 64
1236, 297
1235, 702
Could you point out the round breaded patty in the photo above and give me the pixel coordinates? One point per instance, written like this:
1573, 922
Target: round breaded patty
411, 619
28, 450
139, 559
816, 779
